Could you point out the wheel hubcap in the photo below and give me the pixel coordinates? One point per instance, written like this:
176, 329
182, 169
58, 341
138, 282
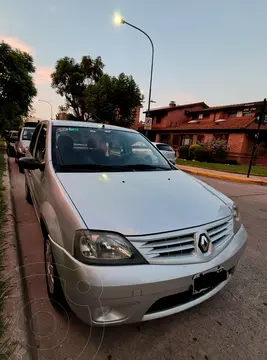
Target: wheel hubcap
49, 267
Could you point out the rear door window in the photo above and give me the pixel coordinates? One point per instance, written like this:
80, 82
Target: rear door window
39, 152
34, 138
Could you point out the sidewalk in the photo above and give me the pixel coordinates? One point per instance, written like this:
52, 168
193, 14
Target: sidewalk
222, 175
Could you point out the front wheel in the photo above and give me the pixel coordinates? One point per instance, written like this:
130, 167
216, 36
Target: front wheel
54, 288
28, 194
21, 169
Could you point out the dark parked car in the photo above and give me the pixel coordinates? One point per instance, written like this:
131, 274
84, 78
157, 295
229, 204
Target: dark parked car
11, 140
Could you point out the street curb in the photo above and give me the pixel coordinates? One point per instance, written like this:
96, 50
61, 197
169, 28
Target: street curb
27, 341
223, 177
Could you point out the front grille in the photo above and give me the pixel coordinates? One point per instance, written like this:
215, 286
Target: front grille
174, 246
220, 233
181, 247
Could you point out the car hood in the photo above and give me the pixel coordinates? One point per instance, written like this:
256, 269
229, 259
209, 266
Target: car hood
139, 203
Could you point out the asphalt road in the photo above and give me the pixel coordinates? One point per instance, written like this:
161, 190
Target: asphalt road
231, 325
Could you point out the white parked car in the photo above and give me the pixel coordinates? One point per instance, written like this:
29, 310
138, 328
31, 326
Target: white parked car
23, 143
127, 236
167, 151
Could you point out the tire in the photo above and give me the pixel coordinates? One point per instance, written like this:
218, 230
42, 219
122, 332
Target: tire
28, 194
10, 151
21, 169
54, 289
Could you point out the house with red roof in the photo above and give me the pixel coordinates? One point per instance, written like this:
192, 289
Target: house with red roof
187, 124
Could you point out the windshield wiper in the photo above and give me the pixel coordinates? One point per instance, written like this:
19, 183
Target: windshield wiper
98, 167
88, 167
144, 167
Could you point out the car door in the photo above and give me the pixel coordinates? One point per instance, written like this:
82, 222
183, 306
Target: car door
37, 176
18, 142
30, 153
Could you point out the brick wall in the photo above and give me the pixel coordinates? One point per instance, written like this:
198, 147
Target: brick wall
173, 118
236, 143
62, 115
136, 112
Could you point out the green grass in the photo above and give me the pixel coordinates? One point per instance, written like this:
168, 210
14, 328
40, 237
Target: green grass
5, 349
238, 169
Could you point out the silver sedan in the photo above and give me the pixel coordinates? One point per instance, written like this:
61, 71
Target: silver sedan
128, 237
167, 151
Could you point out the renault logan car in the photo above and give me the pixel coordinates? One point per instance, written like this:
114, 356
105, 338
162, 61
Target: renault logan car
127, 236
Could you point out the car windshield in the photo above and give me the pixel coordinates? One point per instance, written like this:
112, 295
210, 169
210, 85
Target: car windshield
87, 148
164, 147
27, 134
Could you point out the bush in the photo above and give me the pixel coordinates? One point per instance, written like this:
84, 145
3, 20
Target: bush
204, 155
184, 152
219, 150
193, 149
230, 162
261, 150
200, 152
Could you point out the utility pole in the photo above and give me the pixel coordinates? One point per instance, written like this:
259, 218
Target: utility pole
261, 120
148, 121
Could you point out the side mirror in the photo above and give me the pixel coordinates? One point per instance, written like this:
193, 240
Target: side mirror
30, 163
14, 138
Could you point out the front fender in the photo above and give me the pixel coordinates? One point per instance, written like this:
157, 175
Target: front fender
51, 221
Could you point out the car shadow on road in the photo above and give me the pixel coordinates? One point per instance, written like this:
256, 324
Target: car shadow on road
148, 340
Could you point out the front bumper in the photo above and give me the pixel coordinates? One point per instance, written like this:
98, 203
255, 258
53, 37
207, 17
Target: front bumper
106, 295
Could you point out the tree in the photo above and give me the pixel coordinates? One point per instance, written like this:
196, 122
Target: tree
68, 115
114, 99
16, 85
71, 79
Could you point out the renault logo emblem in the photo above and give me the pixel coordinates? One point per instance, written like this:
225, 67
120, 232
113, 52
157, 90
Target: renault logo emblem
204, 243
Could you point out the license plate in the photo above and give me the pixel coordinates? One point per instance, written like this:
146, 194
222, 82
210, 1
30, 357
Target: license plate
209, 280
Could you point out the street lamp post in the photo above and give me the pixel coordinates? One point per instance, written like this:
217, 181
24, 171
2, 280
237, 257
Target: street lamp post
119, 20
48, 102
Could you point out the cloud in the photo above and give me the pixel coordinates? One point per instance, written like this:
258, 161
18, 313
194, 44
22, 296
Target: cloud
17, 44
43, 75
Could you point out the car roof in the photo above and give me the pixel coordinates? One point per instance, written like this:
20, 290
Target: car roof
87, 124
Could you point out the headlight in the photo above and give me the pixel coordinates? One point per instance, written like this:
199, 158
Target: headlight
236, 218
102, 248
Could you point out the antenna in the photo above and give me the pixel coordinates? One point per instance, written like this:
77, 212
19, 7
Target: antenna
97, 118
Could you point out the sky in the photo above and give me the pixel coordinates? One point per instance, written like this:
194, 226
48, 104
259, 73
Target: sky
208, 50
